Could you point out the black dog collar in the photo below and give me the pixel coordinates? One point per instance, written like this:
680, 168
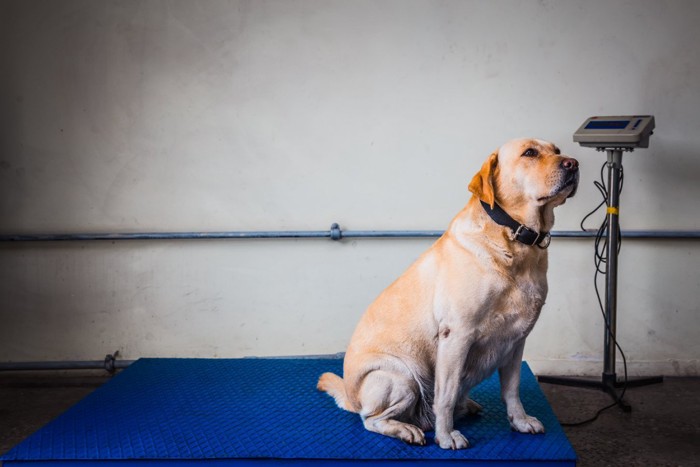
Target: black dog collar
523, 234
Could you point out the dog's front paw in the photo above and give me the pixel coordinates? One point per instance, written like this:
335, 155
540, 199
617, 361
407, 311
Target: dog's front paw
526, 424
452, 440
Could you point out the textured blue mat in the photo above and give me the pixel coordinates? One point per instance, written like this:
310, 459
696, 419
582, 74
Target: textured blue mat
265, 411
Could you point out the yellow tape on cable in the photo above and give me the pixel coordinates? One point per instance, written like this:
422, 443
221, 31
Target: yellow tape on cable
613, 210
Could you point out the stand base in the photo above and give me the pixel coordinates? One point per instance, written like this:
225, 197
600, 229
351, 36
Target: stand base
608, 384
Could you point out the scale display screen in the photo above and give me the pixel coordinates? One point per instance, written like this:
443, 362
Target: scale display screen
607, 124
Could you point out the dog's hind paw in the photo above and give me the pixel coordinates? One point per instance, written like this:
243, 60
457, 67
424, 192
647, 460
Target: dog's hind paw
411, 434
526, 424
452, 440
406, 432
473, 408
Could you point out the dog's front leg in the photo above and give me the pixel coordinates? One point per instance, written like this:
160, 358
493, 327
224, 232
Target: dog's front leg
510, 392
449, 371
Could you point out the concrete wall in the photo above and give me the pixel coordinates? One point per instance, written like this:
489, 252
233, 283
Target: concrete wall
128, 116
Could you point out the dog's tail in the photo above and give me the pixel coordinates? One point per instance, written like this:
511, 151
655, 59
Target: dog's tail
335, 387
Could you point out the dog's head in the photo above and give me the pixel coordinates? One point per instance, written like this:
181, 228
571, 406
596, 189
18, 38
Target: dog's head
526, 171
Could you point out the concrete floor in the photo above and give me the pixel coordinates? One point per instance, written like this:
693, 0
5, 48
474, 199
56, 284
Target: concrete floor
663, 428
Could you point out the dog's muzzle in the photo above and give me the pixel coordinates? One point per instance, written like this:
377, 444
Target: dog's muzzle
570, 165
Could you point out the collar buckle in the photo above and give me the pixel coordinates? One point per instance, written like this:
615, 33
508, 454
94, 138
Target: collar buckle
526, 235
529, 237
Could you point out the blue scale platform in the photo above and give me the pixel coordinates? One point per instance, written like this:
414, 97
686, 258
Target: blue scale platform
183, 412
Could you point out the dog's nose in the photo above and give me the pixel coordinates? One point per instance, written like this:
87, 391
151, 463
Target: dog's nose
569, 163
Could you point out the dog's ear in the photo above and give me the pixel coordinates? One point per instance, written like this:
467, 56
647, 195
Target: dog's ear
482, 183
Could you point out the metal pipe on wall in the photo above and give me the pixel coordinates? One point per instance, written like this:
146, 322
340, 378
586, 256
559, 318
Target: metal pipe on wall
110, 364
335, 233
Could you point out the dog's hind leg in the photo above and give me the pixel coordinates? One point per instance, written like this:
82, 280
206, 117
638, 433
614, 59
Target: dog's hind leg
467, 407
388, 402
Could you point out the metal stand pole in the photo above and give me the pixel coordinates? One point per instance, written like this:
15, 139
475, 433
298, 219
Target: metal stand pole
614, 164
609, 377
609, 381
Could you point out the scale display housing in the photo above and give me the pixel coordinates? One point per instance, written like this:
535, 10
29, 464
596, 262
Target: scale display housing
621, 131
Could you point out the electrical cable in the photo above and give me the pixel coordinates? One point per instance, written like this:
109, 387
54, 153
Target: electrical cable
600, 260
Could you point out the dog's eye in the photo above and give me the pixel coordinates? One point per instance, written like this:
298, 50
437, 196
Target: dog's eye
531, 153
557, 151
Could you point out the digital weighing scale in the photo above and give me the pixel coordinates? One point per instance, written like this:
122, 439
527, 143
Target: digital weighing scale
267, 412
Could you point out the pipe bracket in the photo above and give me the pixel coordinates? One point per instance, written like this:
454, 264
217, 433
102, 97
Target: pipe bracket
336, 233
110, 363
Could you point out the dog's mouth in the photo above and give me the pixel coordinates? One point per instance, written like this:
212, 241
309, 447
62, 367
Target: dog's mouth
571, 181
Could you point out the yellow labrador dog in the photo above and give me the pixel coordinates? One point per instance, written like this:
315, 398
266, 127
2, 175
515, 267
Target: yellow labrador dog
463, 309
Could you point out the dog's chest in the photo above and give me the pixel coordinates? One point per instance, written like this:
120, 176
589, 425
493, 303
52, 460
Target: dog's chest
519, 308
507, 320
